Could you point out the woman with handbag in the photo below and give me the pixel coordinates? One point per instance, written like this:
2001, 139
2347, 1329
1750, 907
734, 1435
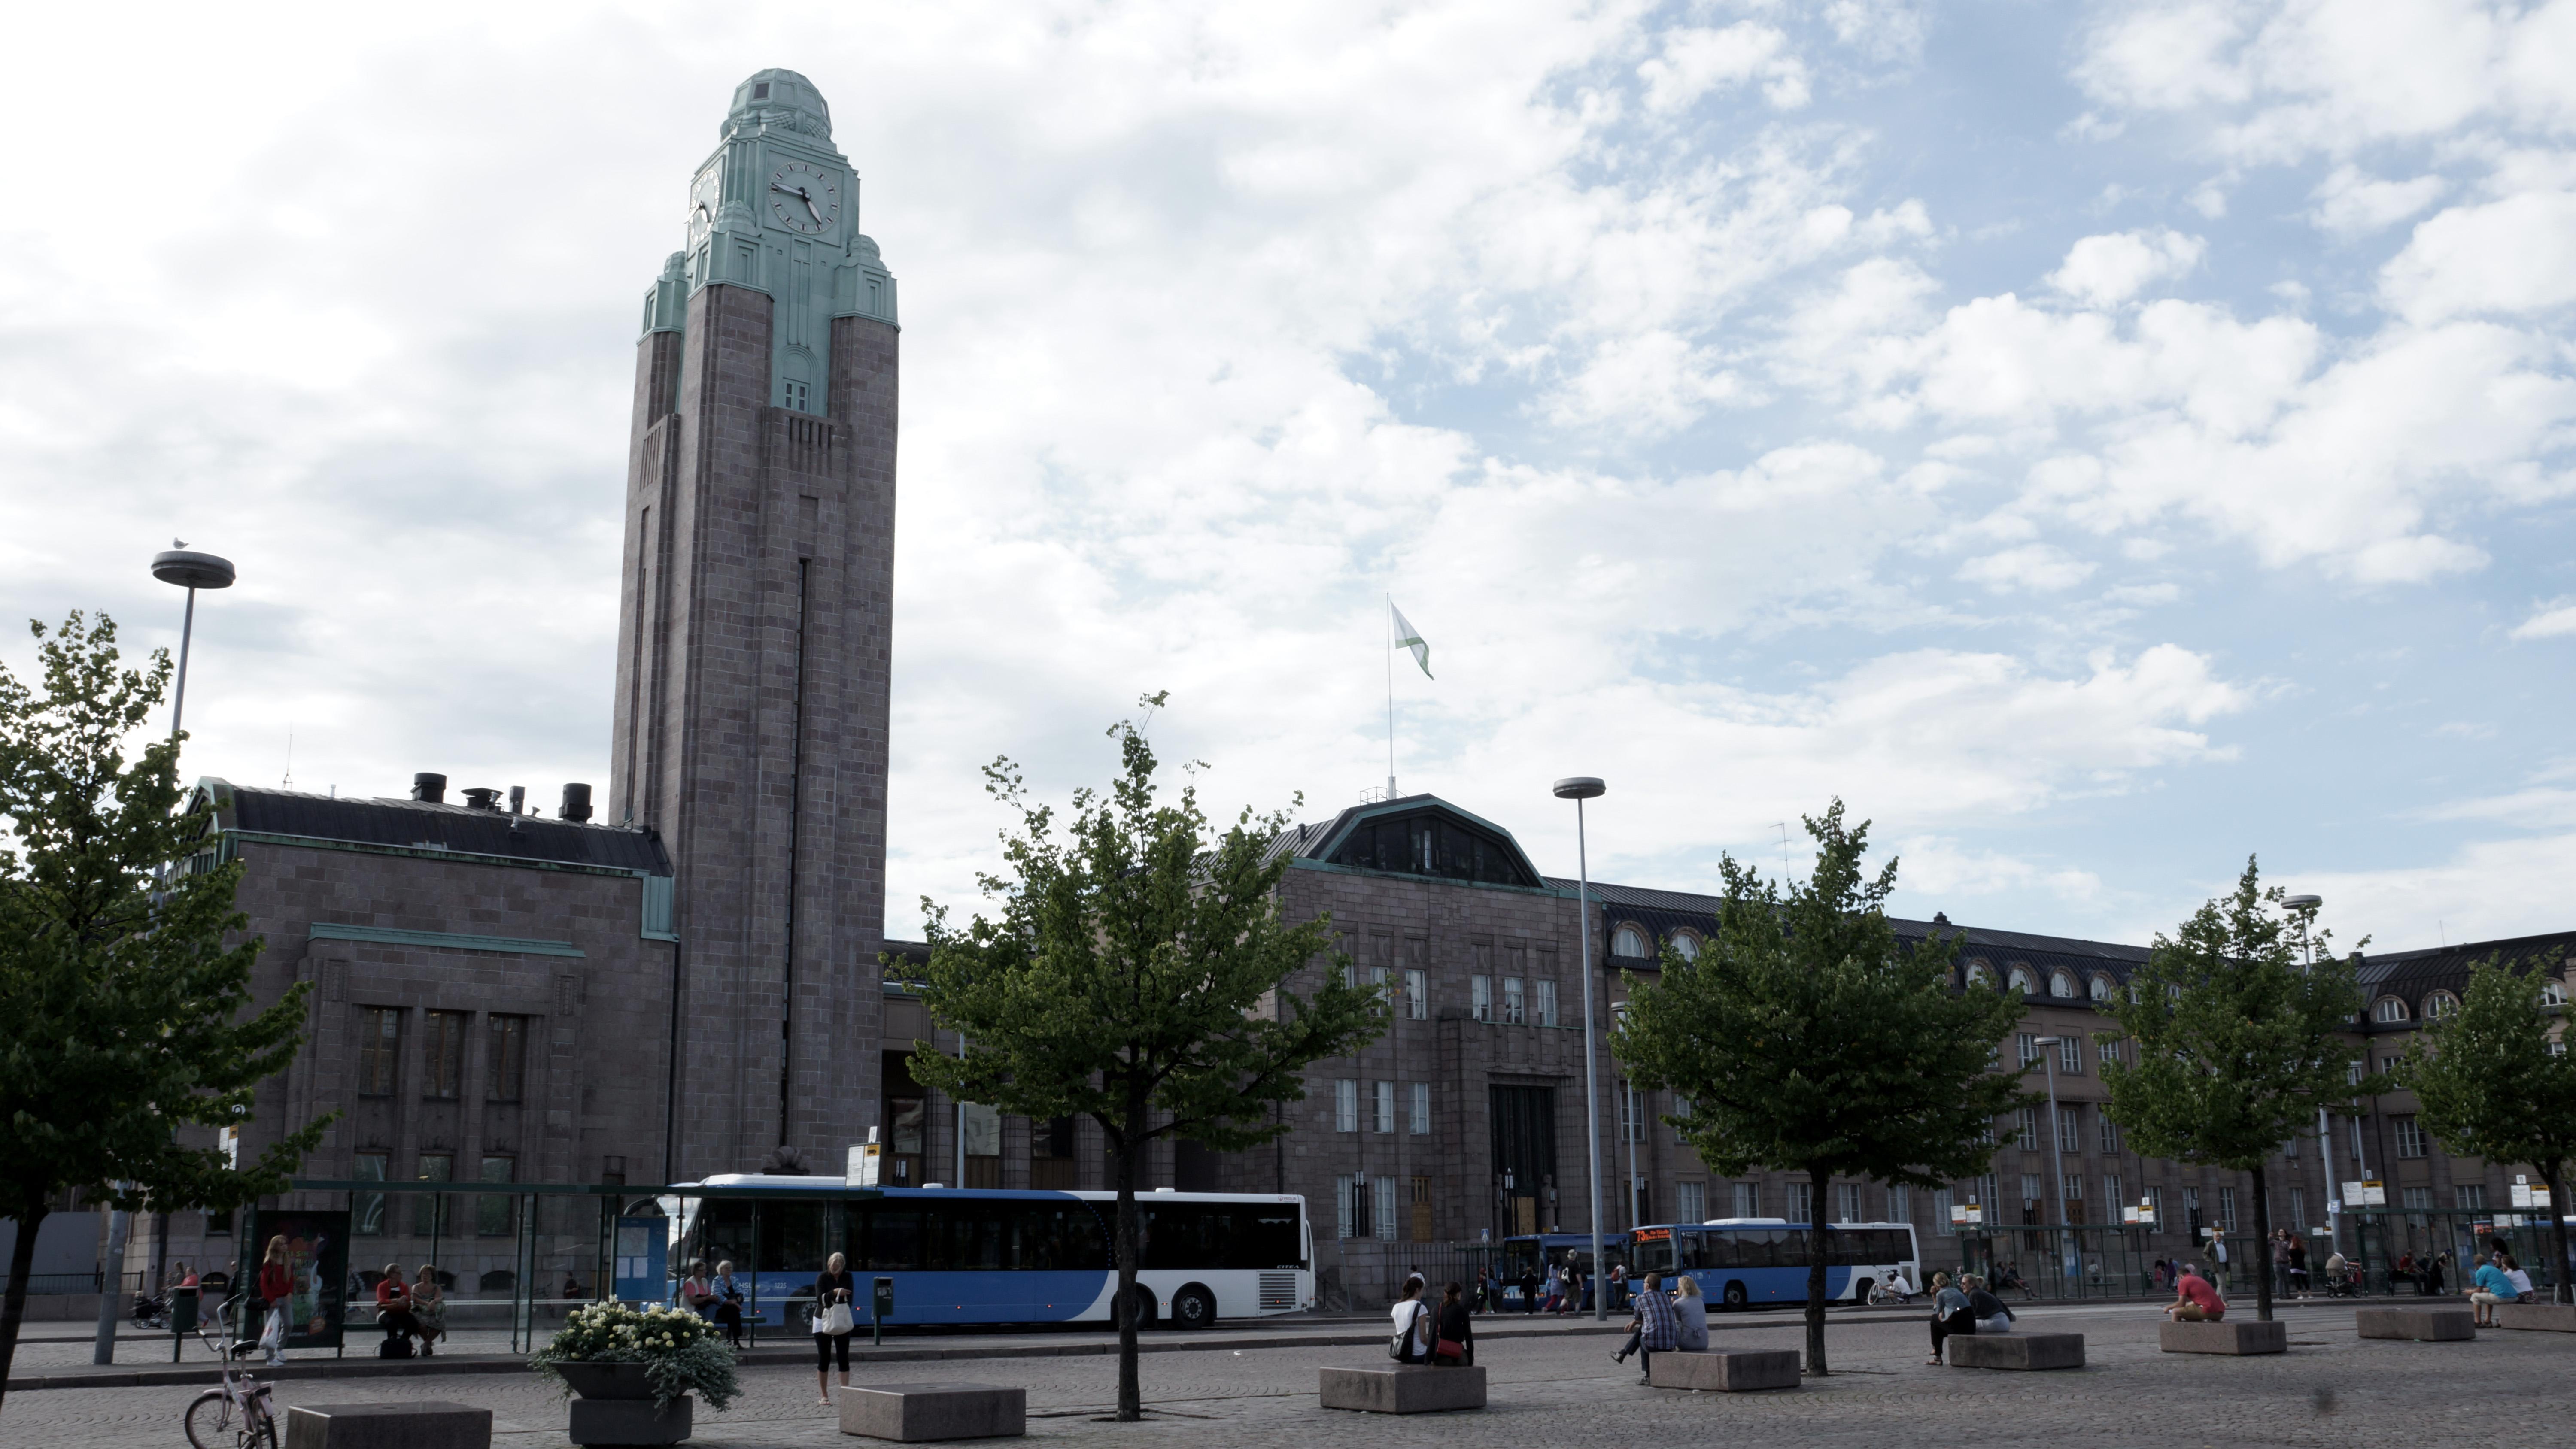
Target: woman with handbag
276, 1283
832, 1325
1454, 1343
1411, 1342
728, 1303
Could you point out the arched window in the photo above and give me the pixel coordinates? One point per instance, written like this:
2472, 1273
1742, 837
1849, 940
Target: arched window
1978, 975
2103, 990
2388, 1008
1686, 945
2553, 992
2018, 980
2440, 1004
1628, 941
2062, 984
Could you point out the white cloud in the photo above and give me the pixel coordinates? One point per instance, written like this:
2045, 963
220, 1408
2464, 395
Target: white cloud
2104, 271
2351, 203
1653, 382
2512, 256
2484, 890
1935, 866
2038, 567
2553, 620
1698, 61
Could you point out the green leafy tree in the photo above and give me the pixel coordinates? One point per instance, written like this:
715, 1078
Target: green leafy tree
1809, 1041
124, 1018
2236, 1044
1136, 973
2489, 1086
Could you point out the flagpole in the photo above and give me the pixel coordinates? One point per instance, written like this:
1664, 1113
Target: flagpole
1390, 696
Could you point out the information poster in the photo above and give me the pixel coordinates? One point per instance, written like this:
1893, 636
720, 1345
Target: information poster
317, 1272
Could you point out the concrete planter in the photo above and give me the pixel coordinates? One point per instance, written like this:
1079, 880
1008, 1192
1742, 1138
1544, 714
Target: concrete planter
616, 1406
607, 1380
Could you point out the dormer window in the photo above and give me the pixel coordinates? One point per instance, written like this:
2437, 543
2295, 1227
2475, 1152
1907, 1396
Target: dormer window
2062, 985
1686, 945
2440, 1004
2018, 981
2102, 988
760, 92
1628, 941
2388, 1009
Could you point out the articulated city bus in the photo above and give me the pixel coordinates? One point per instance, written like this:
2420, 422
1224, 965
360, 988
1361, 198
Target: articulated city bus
1742, 1261
978, 1256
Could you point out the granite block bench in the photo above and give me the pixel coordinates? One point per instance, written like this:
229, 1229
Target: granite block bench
412, 1424
2422, 1325
1403, 1388
1726, 1370
2545, 1317
2015, 1350
2248, 1336
911, 1413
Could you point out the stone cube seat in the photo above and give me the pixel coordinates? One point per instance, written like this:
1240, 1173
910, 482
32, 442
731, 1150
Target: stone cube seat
630, 1421
2015, 1350
2545, 1317
1403, 1388
2224, 1336
2422, 1325
912, 1413
413, 1424
1726, 1371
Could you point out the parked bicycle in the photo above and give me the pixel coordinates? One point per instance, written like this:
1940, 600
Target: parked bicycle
240, 1414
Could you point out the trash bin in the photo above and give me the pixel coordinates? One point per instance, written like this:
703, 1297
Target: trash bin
880, 1308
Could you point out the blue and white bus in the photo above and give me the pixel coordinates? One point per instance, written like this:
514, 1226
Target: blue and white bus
978, 1256
1744, 1261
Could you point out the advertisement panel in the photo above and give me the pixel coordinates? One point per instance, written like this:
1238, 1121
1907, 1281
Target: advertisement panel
317, 1269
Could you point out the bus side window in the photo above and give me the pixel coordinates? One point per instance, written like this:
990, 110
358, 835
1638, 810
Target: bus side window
894, 1239
791, 1237
1255, 1237
1687, 1248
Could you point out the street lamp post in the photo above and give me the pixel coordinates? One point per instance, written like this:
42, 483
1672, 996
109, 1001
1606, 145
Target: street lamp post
2304, 908
2048, 1049
1579, 788
192, 571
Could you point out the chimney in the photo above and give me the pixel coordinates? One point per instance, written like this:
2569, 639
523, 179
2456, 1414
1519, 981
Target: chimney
518, 799
576, 803
428, 788
478, 798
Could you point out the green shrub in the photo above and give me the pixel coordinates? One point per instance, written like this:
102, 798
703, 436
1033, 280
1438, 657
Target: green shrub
681, 1352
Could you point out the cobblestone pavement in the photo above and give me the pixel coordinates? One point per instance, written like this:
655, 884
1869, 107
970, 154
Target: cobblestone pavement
2332, 1389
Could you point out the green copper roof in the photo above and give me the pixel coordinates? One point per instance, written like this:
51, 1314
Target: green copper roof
779, 98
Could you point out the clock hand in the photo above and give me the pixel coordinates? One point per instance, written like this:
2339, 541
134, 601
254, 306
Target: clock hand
810, 208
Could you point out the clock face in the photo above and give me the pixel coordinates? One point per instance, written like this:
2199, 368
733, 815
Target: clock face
804, 198
702, 204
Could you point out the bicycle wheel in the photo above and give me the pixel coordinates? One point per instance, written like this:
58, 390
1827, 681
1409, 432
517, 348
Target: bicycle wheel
211, 1422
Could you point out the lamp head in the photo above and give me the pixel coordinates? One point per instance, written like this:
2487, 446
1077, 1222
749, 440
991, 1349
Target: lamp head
190, 569
1580, 787
2303, 904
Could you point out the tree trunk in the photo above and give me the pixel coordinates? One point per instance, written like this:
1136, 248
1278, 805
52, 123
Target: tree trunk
22, 1259
2550, 1172
1816, 1273
1131, 1145
2263, 1248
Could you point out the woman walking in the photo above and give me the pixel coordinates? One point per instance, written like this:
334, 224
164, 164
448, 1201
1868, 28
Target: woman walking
276, 1283
831, 1288
428, 1308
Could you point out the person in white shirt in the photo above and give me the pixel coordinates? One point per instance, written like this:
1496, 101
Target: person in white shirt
1413, 1320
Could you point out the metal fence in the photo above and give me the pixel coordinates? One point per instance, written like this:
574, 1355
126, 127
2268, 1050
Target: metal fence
43, 1284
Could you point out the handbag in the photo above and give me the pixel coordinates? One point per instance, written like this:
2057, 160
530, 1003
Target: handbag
1450, 1348
1400, 1347
837, 1320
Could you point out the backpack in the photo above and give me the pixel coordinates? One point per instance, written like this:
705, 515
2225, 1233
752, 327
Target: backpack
396, 1345
1400, 1347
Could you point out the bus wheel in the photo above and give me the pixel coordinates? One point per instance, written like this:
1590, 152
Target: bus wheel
1735, 1297
1144, 1307
1193, 1307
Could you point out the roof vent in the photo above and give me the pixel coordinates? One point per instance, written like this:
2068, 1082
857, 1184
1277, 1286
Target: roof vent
518, 799
428, 788
576, 803
478, 798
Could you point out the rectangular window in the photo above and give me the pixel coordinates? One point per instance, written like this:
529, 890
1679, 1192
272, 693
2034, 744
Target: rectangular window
2470, 1197
379, 1049
2110, 1133
1351, 1197
505, 1058
1546, 1003
1847, 1203
2026, 1129
2290, 1149
2070, 1055
2410, 1137
2155, 1201
2299, 1208
1514, 1010
2074, 1190
1383, 1095
2391, 1064
1419, 1199
1346, 1105
2030, 1048
2032, 1205
1690, 1202
2227, 1209
496, 1213
1379, 976
2419, 1200
1748, 1200
1802, 1202
1630, 1105
1480, 998
1900, 1205
442, 1054
2114, 1197
1382, 1199
429, 1209
1420, 1118
2191, 1213
2070, 1127
1942, 1201
1681, 1121
367, 1209
1417, 994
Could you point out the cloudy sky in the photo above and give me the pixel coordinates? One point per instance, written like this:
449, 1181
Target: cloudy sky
2097, 442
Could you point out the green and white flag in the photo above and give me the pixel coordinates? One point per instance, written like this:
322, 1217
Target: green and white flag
1408, 637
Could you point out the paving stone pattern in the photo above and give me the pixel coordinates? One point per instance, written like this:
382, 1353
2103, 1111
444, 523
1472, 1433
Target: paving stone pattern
2331, 1389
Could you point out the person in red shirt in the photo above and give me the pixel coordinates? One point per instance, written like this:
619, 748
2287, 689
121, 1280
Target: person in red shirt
276, 1285
2195, 1301
393, 1304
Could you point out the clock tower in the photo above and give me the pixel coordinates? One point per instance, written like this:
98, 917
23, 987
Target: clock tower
754, 637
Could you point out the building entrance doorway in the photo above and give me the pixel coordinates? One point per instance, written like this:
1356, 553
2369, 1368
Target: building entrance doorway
1524, 1155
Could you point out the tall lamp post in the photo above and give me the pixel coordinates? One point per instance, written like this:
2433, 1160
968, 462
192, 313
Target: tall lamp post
192, 571
2304, 908
2049, 1046
1579, 788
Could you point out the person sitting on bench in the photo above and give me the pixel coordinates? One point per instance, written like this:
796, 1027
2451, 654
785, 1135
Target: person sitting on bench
393, 1305
2195, 1301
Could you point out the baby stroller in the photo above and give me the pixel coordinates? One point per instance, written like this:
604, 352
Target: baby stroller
2346, 1284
